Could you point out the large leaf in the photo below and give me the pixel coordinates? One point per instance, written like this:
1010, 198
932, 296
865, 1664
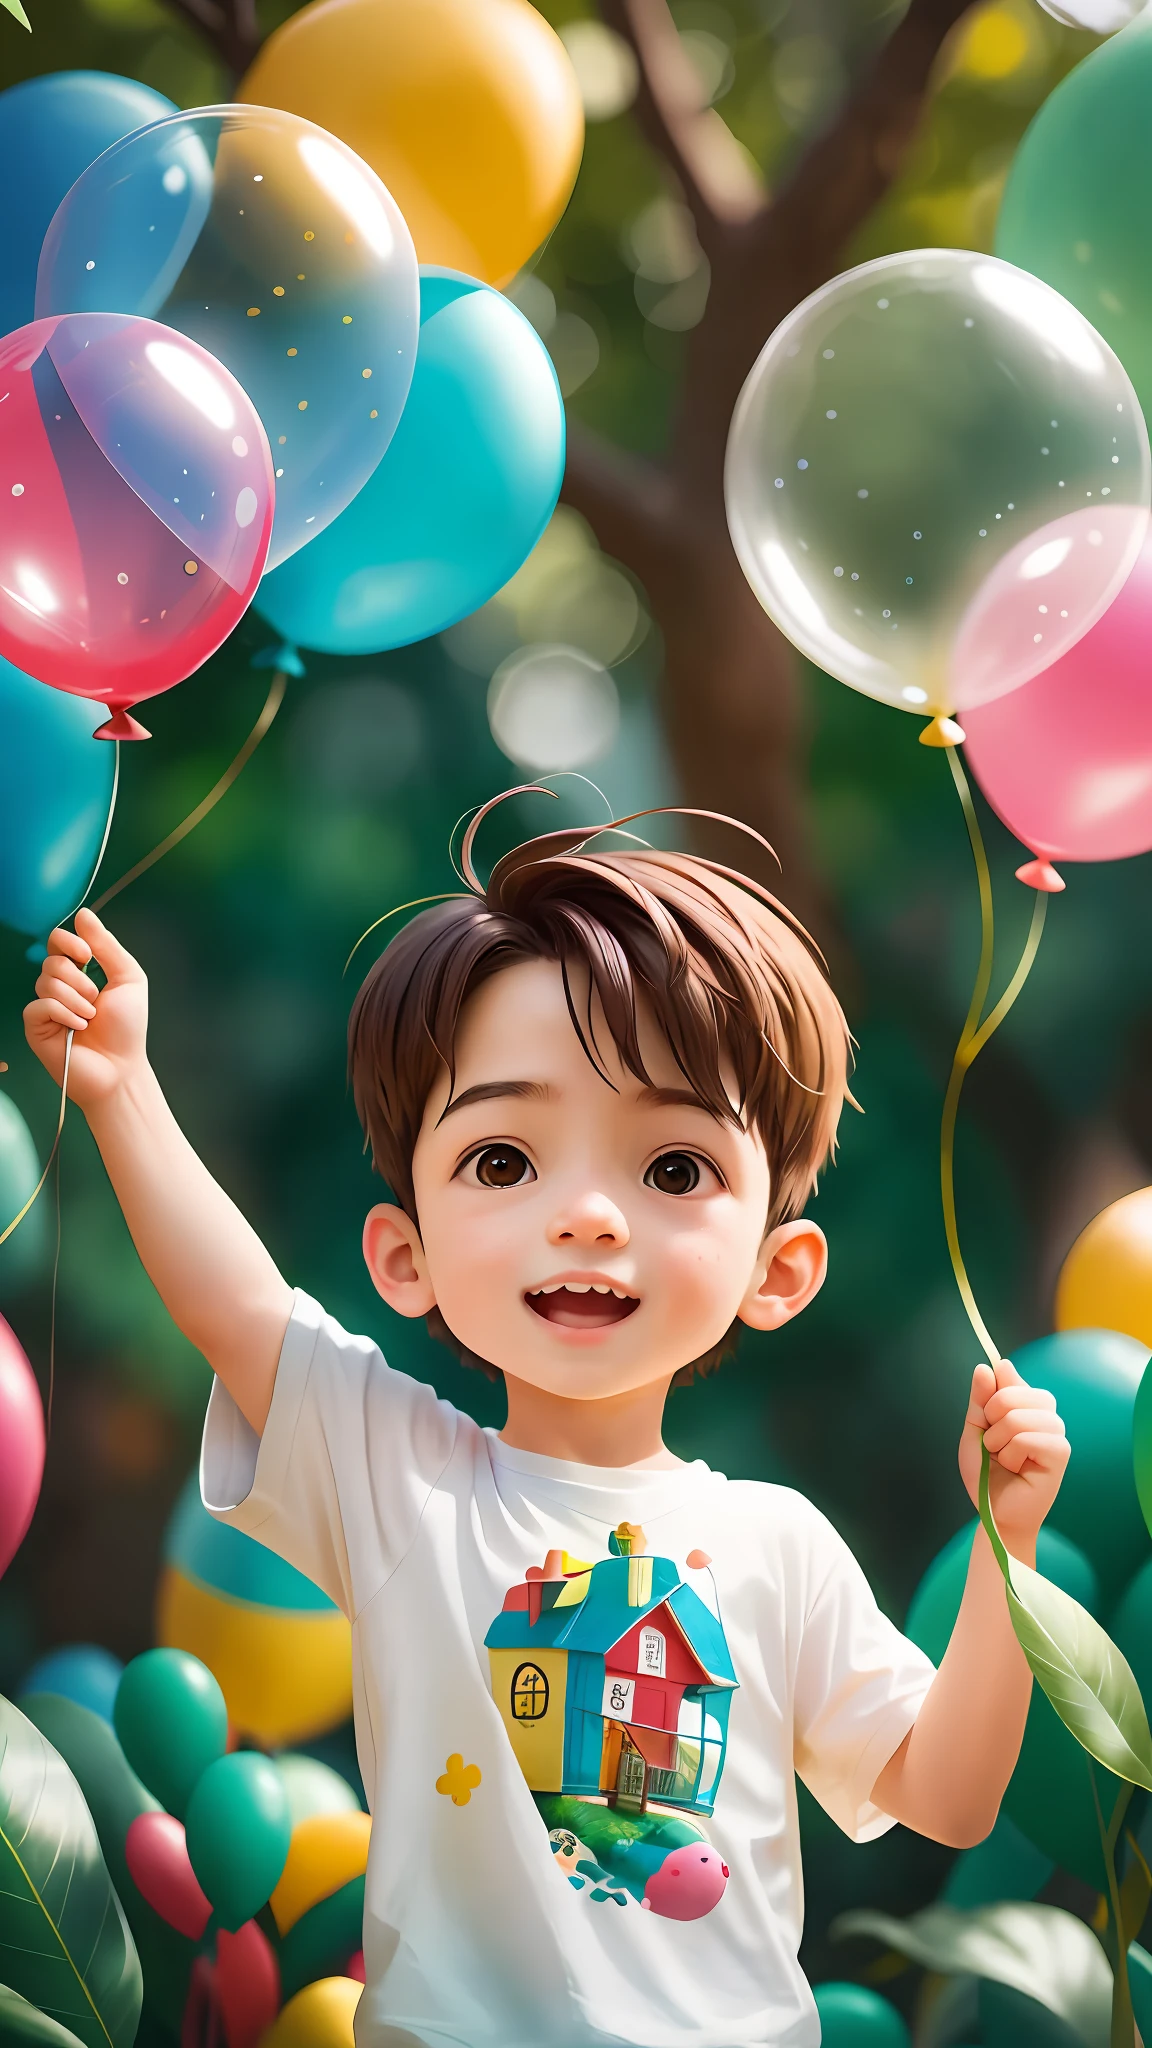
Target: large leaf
1048, 1955
25, 2026
64, 1941
15, 8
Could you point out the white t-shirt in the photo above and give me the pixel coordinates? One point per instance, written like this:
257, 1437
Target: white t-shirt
481, 1930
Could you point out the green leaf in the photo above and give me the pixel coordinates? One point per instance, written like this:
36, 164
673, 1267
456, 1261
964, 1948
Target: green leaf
64, 1941
15, 8
1046, 1954
25, 2026
1084, 1675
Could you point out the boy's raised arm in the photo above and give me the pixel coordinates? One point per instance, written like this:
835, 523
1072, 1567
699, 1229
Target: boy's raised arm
950, 1773
214, 1276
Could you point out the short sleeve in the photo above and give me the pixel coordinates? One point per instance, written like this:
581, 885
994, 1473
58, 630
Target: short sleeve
350, 1453
859, 1687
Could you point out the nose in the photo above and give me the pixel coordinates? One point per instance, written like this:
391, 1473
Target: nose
587, 1220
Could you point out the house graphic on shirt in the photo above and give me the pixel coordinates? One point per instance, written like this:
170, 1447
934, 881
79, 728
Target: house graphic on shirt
613, 1681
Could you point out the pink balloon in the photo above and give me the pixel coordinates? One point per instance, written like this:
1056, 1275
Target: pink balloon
1066, 761
1042, 597
136, 498
247, 1984
21, 1445
157, 1859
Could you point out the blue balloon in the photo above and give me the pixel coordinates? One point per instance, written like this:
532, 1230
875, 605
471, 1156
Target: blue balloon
229, 1562
51, 129
80, 1671
55, 789
463, 494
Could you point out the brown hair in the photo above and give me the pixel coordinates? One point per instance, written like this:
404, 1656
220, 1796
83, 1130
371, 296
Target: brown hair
729, 975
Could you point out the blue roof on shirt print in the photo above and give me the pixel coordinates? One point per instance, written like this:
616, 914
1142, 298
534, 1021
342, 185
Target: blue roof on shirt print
599, 1620
233, 1565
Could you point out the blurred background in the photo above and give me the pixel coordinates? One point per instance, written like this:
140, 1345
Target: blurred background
585, 665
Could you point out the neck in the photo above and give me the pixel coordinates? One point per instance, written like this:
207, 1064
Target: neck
624, 1429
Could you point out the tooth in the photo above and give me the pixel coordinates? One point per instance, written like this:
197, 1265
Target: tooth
601, 1287
578, 1287
553, 1287
619, 1293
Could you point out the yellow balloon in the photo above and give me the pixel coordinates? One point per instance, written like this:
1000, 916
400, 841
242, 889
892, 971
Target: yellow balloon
468, 110
326, 1851
1106, 1281
285, 1676
320, 2016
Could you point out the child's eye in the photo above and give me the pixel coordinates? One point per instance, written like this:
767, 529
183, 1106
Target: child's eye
502, 1166
674, 1173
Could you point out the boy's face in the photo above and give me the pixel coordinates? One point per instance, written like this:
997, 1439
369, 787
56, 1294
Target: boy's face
586, 1239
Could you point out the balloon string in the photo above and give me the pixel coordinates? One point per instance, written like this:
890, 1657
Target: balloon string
974, 1037
272, 705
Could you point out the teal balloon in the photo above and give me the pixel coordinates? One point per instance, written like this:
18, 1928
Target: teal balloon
1049, 1794
1009, 2019
1095, 1376
238, 1826
851, 2016
1131, 1629
83, 1672
51, 129
1006, 1865
1075, 208
228, 1562
172, 1723
55, 790
324, 1939
23, 1255
466, 488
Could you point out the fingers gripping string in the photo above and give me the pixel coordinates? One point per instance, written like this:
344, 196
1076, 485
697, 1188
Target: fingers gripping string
974, 1037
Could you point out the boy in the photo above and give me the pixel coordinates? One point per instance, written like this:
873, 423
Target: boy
600, 1091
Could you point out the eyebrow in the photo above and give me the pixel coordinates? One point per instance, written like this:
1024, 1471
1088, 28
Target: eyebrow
494, 1091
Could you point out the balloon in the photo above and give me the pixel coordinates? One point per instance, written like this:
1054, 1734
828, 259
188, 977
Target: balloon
1005, 1865
1099, 17
895, 441
327, 1851
21, 1255
325, 1939
1049, 1795
1074, 209
320, 2016
279, 1648
313, 1787
1094, 1375
80, 1671
1142, 1447
1131, 1629
468, 109
1106, 1280
851, 2016
55, 790
459, 501
239, 1829
172, 1722
1066, 762
135, 507
22, 1445
51, 129
271, 245
248, 1984
157, 1858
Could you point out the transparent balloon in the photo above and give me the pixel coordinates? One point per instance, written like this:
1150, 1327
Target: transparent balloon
909, 443
271, 244
1101, 17
136, 500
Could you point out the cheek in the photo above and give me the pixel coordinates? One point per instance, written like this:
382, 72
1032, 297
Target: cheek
707, 1254
472, 1243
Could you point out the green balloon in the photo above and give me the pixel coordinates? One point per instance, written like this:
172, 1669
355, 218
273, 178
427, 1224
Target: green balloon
851, 2016
1095, 1375
172, 1723
238, 1826
324, 1939
1008, 2019
1075, 210
1142, 1446
1006, 1865
1049, 1794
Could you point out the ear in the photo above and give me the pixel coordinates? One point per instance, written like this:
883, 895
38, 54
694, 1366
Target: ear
395, 1258
789, 1271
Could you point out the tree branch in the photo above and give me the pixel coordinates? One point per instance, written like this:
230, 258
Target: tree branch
720, 183
629, 502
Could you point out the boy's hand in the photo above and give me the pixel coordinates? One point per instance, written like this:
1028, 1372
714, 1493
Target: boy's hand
1027, 1446
111, 1024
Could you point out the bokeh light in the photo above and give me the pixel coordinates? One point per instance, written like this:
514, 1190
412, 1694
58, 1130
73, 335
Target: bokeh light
553, 707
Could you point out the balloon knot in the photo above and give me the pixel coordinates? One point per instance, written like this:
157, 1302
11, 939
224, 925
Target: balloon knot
286, 658
121, 726
1040, 874
943, 732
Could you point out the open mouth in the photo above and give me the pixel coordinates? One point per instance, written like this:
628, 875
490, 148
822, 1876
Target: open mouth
581, 1304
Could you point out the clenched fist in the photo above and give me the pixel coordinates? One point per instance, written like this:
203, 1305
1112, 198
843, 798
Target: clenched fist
1027, 1446
111, 1024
